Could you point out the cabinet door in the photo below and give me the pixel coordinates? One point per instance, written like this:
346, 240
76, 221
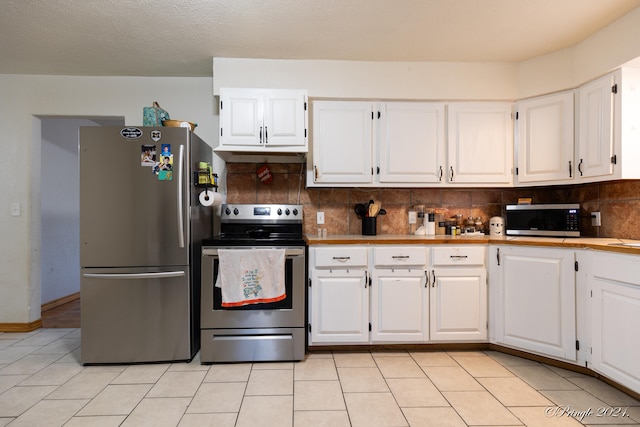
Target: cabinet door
339, 306
342, 142
595, 128
241, 112
399, 305
615, 282
458, 304
285, 118
412, 144
545, 139
480, 143
535, 302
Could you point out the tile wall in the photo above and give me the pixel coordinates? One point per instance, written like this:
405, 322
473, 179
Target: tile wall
618, 202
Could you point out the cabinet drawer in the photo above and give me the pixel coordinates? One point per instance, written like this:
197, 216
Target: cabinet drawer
340, 257
397, 256
458, 255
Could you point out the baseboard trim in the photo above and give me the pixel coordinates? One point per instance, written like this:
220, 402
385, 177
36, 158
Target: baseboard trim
32, 326
60, 301
21, 327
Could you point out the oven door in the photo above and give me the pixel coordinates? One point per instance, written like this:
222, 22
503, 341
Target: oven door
287, 313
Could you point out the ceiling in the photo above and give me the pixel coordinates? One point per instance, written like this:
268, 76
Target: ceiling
180, 37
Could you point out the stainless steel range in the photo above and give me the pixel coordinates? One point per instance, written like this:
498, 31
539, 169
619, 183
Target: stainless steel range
254, 330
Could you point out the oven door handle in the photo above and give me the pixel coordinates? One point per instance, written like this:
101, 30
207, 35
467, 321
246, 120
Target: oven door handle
288, 252
158, 275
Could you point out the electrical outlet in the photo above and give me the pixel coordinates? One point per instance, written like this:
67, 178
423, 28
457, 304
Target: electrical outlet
595, 219
320, 218
413, 217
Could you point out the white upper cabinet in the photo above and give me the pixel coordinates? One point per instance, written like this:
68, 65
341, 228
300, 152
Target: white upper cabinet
405, 144
544, 139
272, 120
412, 142
609, 127
595, 130
368, 143
342, 143
480, 143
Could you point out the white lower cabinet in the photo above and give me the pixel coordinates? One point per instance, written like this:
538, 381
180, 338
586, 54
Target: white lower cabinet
458, 305
534, 300
614, 282
385, 294
399, 294
339, 295
458, 294
340, 312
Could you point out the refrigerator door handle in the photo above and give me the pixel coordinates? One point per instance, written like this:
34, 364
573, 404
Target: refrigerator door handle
179, 202
159, 275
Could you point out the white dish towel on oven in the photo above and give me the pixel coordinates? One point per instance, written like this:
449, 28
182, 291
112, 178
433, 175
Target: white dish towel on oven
250, 276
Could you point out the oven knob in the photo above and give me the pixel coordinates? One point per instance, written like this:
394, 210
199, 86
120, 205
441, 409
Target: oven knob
295, 211
227, 211
279, 211
286, 211
236, 211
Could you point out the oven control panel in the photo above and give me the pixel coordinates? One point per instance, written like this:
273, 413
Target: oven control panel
261, 212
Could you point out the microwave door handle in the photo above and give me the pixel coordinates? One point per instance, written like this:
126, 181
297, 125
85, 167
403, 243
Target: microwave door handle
179, 202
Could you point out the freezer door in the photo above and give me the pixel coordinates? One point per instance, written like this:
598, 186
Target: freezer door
129, 215
136, 315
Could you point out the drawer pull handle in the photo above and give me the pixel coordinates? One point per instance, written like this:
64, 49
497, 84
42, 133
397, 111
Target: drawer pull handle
458, 256
341, 258
400, 257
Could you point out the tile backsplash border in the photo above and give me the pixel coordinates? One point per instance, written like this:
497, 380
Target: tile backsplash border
618, 201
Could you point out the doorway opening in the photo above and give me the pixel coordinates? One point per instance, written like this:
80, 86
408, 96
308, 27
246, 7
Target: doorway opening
57, 208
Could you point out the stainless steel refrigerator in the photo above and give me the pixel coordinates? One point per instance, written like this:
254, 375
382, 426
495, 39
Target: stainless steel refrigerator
141, 228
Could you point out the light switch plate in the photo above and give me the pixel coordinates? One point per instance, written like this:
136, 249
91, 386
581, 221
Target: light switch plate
320, 218
15, 209
595, 219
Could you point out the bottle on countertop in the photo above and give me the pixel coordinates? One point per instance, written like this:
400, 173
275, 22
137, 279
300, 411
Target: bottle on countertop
469, 226
420, 231
413, 220
430, 223
441, 224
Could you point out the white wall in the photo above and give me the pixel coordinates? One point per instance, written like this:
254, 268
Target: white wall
23, 98
604, 51
361, 79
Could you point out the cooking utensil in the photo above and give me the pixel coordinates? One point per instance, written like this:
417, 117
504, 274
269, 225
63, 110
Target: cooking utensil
374, 208
361, 210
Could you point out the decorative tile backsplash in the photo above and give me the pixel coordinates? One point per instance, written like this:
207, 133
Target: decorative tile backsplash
618, 202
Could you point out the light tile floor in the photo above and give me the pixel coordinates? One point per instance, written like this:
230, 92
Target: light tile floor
42, 383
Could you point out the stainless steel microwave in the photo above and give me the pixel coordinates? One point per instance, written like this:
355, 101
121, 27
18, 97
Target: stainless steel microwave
556, 220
